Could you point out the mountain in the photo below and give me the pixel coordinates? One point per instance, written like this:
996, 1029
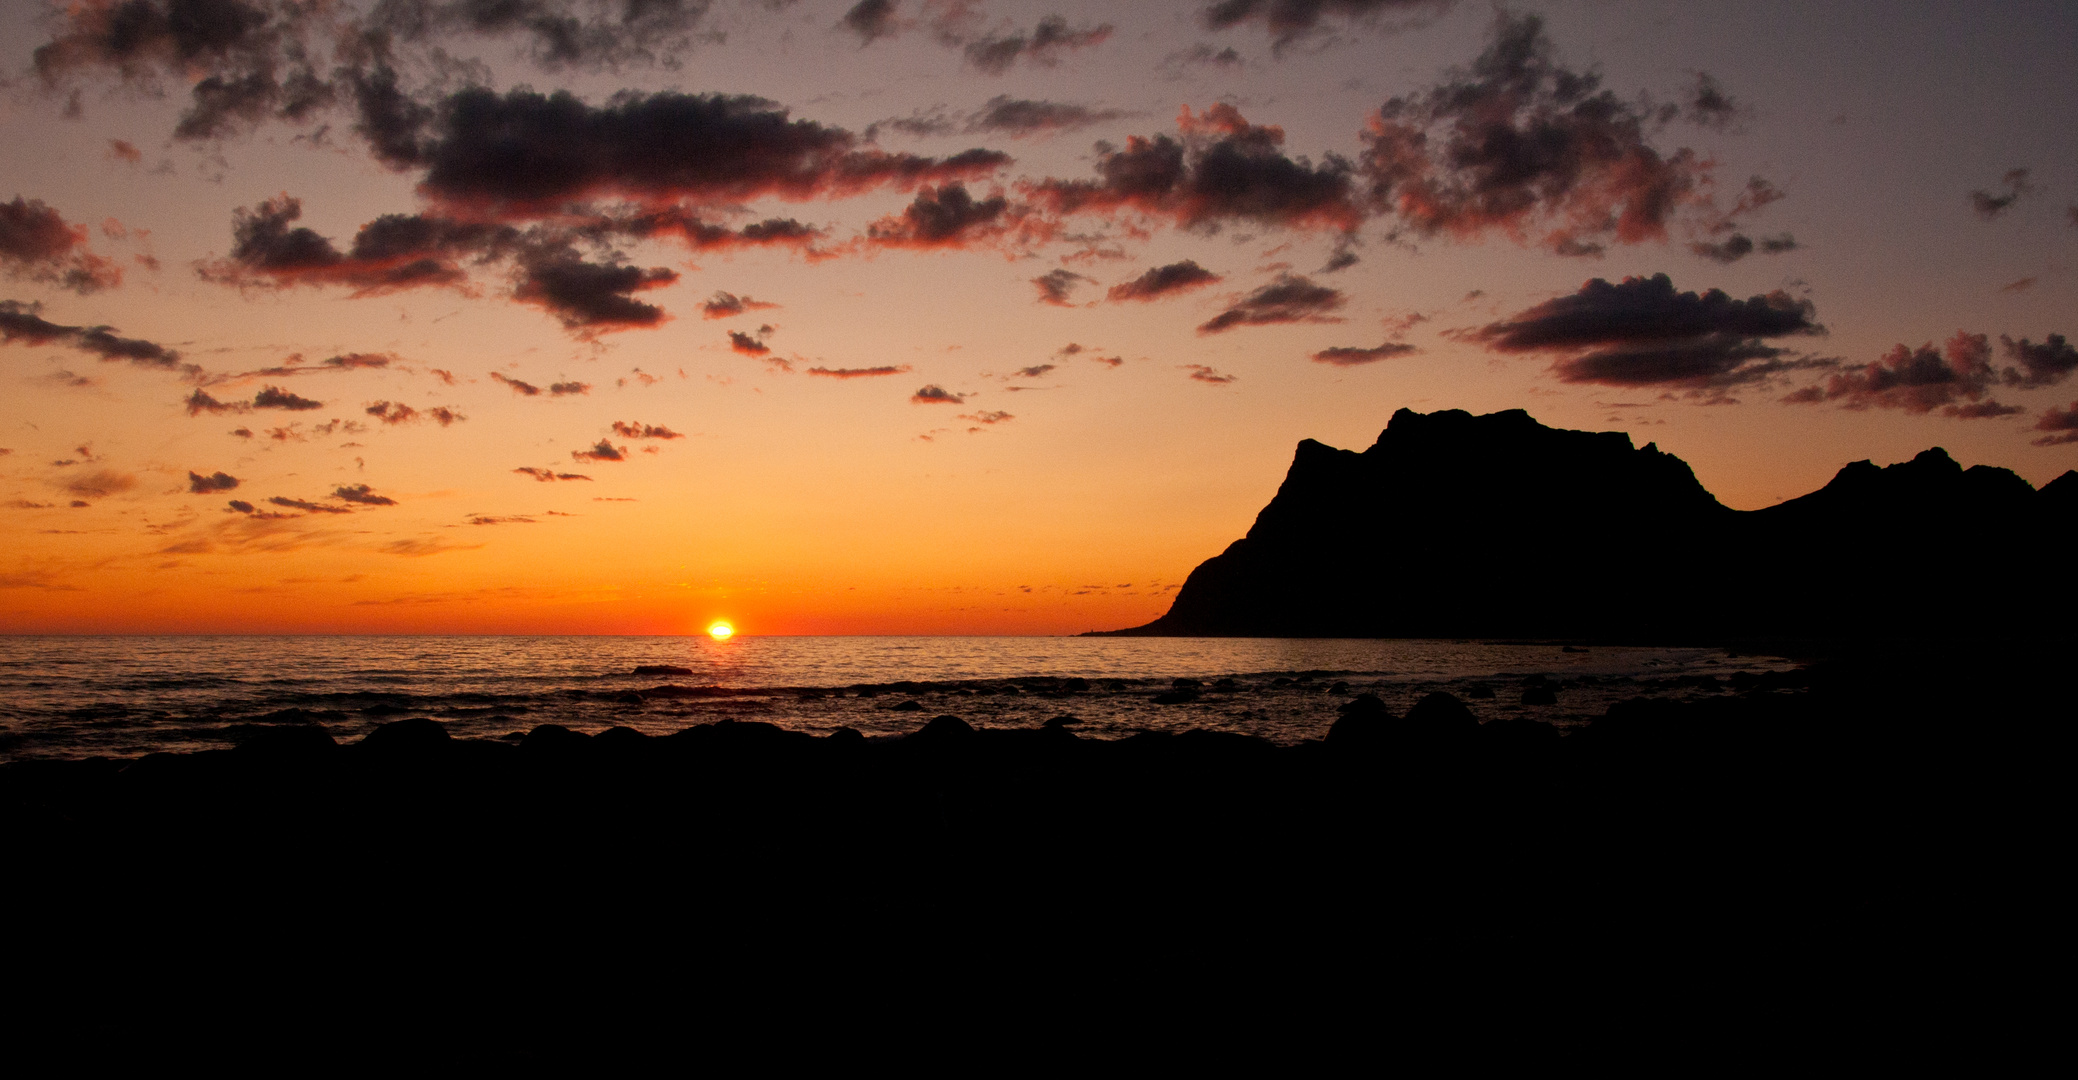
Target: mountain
1454, 525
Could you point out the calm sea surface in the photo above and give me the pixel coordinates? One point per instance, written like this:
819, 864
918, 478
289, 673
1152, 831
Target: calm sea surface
73, 697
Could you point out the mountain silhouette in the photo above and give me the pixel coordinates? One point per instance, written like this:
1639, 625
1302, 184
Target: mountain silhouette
1455, 525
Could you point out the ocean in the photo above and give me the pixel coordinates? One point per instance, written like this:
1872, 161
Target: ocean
125, 697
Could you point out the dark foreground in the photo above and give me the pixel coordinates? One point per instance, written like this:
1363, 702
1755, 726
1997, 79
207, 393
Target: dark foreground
1891, 810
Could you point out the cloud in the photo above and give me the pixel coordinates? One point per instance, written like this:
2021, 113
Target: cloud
636, 430
2062, 425
1042, 47
99, 484
1917, 380
548, 476
1163, 281
37, 244
119, 150
390, 412
1989, 206
1056, 285
199, 484
1709, 106
391, 253
518, 386
274, 397
1222, 169
987, 418
1642, 332
1519, 145
2046, 364
1739, 245
591, 298
1202, 373
1288, 299
746, 344
361, 494
1290, 19
1345, 356
945, 217
871, 20
1036, 371
858, 372
937, 395
201, 402
601, 451
444, 415
567, 389
480, 519
1019, 117
724, 305
24, 323
526, 154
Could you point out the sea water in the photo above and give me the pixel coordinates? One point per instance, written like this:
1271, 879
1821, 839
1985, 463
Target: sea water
76, 697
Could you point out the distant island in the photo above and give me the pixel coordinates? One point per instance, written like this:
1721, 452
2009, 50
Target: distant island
1455, 525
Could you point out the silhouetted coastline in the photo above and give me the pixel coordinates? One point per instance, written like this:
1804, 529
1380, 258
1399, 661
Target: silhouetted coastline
1495, 526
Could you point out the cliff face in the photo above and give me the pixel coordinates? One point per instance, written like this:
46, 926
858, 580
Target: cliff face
1460, 525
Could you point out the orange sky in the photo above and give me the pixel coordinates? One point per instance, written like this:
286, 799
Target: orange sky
1099, 446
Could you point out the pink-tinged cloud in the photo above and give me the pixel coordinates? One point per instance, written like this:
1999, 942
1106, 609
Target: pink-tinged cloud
1918, 380
858, 372
601, 451
519, 386
1521, 146
37, 244
1163, 281
1644, 332
1349, 356
1222, 169
1056, 286
2061, 424
1289, 299
747, 345
723, 305
636, 430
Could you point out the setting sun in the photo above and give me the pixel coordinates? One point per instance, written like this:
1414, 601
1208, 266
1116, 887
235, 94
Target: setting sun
721, 631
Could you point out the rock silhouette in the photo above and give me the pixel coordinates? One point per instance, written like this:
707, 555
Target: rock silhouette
1457, 525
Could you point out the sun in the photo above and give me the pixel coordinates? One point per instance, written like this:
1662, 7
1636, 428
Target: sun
721, 631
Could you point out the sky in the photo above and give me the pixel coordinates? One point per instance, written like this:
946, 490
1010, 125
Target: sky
952, 317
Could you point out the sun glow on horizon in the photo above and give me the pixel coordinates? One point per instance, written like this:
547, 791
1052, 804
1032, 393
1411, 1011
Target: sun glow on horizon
721, 631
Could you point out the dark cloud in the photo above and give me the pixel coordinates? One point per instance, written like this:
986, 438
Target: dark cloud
1042, 47
724, 305
523, 154
518, 386
1036, 371
591, 298
392, 412
393, 252
274, 397
1019, 117
945, 217
1709, 106
1202, 373
243, 433
1208, 56
633, 430
357, 361
937, 395
871, 20
199, 484
601, 451
1739, 245
1643, 332
36, 244
361, 494
24, 323
1989, 206
1987, 409
443, 415
1346, 356
858, 372
241, 506
1519, 144
1289, 19
2062, 425
122, 151
480, 519
567, 389
548, 476
2046, 364
1916, 380
747, 345
1056, 285
307, 506
1289, 299
1223, 169
1163, 281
